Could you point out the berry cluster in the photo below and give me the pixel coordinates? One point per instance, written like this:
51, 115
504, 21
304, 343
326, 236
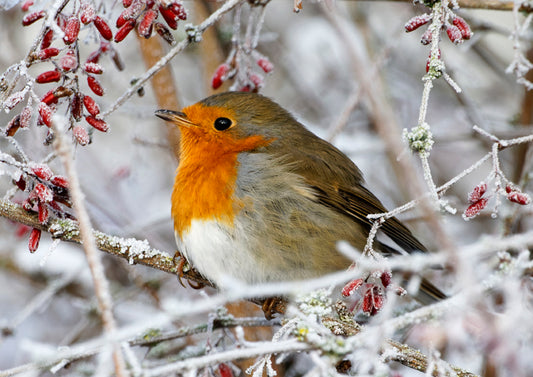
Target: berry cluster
143, 14
46, 193
478, 201
76, 83
371, 294
458, 30
247, 81
68, 68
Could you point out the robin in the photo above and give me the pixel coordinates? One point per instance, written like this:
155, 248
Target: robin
260, 198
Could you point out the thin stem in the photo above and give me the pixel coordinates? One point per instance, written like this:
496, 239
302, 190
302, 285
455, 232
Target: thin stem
100, 283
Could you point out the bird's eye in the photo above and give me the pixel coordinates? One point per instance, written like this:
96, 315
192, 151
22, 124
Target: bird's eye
222, 124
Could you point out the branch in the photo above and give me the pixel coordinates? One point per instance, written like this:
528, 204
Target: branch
101, 286
391, 350
131, 249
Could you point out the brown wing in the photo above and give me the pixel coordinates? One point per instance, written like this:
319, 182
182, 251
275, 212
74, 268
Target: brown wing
339, 184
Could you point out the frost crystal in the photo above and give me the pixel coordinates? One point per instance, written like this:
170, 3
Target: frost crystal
419, 138
315, 303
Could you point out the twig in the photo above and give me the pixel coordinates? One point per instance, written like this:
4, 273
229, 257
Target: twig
100, 283
225, 323
387, 126
195, 363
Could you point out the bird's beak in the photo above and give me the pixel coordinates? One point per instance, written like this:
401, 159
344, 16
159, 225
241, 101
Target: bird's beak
174, 116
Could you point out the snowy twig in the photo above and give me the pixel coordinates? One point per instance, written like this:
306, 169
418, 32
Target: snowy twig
64, 151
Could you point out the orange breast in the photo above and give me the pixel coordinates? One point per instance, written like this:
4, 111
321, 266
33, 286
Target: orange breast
205, 182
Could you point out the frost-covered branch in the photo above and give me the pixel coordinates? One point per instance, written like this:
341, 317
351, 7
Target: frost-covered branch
64, 151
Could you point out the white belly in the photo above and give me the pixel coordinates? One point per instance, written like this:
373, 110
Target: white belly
219, 254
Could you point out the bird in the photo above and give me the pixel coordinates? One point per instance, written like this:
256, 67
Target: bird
259, 198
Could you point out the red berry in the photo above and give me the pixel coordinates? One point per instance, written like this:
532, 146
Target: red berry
22, 230
93, 68
95, 86
367, 306
43, 212
32, 17
99, 124
14, 99
133, 11
33, 243
178, 10
256, 80
225, 370
26, 5
42, 171
474, 208
49, 98
81, 135
145, 27
47, 39
91, 106
60, 181
87, 13
69, 61
417, 21
170, 17
386, 279
94, 57
219, 76
454, 34
265, 64
125, 30
48, 76
477, 193
72, 29
61, 21
378, 300
121, 20
48, 53
45, 112
103, 28
426, 38
21, 183
126, 3
41, 193
351, 287
519, 197
461, 24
